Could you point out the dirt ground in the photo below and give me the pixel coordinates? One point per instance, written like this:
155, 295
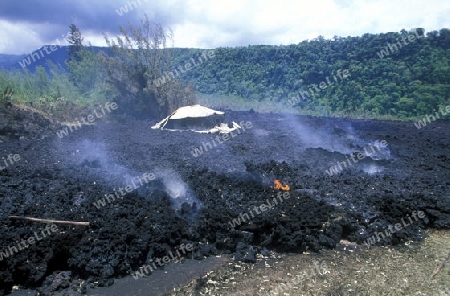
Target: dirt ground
410, 269
194, 197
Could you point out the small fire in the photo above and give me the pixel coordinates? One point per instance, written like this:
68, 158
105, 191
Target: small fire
278, 185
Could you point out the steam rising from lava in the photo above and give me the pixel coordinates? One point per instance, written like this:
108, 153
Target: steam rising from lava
339, 137
101, 166
177, 189
95, 156
341, 140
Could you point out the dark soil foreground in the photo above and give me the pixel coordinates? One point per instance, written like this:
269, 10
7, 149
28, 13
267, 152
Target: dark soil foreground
193, 199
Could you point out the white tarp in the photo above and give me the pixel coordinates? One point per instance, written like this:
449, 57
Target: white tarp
197, 111
222, 128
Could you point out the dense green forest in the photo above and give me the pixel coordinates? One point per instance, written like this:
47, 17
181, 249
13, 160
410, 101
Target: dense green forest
412, 78
401, 75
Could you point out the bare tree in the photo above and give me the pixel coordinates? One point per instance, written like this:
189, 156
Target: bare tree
75, 40
137, 58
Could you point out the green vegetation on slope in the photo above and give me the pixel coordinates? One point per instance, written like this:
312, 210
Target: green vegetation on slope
412, 78
393, 75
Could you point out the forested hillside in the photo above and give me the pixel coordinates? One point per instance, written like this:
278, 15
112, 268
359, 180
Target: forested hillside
388, 75
393, 75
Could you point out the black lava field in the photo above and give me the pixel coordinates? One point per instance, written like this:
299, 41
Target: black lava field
193, 199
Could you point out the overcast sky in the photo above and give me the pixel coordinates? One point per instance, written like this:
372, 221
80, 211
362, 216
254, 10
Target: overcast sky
26, 25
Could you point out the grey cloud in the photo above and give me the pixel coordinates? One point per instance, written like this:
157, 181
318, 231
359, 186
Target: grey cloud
95, 16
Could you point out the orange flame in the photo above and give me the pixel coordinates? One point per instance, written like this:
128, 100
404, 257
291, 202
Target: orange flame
278, 185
